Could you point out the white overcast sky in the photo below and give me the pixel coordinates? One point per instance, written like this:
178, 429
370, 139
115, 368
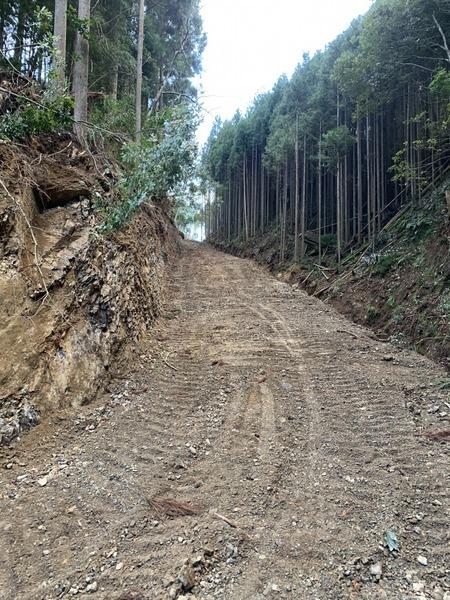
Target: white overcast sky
252, 42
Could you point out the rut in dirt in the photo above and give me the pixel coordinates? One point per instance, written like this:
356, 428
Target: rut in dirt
257, 445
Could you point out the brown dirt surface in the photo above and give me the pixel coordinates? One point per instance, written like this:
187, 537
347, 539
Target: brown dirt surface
400, 288
257, 445
71, 298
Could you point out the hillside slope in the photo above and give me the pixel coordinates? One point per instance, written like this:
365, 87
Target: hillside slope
400, 287
69, 297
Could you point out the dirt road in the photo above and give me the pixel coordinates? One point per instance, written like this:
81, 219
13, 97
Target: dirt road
293, 439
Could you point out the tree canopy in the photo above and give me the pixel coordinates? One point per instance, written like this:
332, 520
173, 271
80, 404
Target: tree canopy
359, 129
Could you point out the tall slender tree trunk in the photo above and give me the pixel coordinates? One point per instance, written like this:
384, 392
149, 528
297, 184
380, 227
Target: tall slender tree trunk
60, 33
345, 208
81, 73
359, 179
297, 192
244, 175
114, 81
303, 209
369, 195
284, 210
338, 210
319, 196
20, 32
140, 55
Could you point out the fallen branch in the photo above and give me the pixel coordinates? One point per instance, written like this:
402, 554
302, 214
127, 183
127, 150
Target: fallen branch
438, 435
224, 519
348, 333
118, 136
322, 271
307, 277
344, 276
168, 364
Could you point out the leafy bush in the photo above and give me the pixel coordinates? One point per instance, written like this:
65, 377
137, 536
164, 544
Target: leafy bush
391, 302
440, 85
328, 240
160, 167
398, 315
443, 384
385, 264
113, 115
444, 303
420, 226
52, 113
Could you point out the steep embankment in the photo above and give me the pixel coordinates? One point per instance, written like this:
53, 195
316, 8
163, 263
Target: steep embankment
69, 297
400, 287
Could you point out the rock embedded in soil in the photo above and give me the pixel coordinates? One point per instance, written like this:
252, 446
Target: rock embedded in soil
104, 292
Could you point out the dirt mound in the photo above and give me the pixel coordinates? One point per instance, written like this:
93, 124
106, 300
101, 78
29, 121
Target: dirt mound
69, 297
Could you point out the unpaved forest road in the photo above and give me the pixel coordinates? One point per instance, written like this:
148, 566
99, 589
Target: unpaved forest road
261, 404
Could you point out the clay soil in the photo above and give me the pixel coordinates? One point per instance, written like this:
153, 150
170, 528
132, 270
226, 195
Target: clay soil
257, 445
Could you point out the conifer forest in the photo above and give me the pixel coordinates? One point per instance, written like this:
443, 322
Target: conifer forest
360, 128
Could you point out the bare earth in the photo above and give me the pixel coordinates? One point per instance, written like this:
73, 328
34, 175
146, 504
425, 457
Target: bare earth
295, 438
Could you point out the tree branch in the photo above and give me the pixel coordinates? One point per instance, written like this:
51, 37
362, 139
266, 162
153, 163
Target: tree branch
170, 70
444, 39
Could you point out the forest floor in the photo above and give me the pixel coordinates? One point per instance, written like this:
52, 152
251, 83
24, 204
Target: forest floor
258, 446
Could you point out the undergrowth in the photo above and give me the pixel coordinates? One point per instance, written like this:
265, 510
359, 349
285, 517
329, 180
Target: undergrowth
158, 168
51, 114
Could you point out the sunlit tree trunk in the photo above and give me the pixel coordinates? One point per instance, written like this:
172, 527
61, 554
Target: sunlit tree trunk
244, 175
140, 54
60, 33
319, 195
359, 178
81, 73
303, 209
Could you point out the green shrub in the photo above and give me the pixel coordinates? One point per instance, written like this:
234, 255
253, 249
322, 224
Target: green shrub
391, 302
419, 226
372, 314
397, 315
53, 113
385, 264
328, 240
160, 167
443, 384
113, 115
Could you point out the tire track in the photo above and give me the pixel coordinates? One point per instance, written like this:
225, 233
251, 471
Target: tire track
254, 406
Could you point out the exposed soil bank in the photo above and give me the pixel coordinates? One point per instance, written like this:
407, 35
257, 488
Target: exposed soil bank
400, 288
69, 297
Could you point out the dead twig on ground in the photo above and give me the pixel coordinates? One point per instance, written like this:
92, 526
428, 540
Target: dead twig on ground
167, 363
437, 436
39, 160
224, 519
322, 271
307, 277
353, 335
